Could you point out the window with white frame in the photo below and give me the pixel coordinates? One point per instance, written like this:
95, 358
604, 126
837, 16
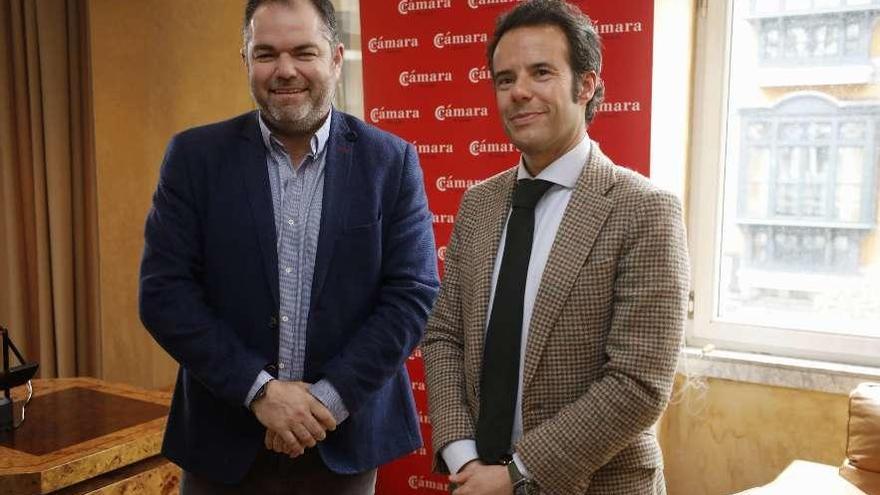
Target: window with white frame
821, 37
803, 201
809, 42
350, 90
784, 180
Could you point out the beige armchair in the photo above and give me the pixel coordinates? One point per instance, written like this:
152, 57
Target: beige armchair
862, 464
860, 472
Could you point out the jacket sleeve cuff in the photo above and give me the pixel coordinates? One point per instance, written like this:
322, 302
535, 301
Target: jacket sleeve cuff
327, 394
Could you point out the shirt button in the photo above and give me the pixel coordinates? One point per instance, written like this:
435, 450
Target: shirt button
280, 366
284, 318
288, 269
290, 221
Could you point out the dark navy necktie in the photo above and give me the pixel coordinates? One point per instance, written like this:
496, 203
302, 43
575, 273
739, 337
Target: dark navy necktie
500, 373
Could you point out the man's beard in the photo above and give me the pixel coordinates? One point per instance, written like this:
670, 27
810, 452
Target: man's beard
303, 118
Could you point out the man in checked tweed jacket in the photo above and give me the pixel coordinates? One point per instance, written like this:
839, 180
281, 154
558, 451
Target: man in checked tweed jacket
605, 291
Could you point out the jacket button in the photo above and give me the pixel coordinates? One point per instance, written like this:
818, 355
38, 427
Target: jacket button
273, 322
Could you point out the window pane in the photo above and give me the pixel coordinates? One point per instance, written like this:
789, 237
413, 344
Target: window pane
850, 165
800, 192
848, 203
771, 43
758, 188
758, 131
797, 42
853, 131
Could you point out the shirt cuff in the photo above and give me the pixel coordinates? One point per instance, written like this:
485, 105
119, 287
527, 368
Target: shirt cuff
262, 379
459, 453
327, 394
520, 465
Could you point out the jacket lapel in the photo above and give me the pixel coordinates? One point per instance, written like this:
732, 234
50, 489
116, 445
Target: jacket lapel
487, 237
581, 223
336, 168
259, 194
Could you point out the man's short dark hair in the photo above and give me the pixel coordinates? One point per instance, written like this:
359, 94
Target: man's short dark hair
584, 45
324, 7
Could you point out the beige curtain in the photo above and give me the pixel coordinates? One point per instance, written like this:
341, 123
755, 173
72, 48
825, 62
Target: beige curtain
48, 220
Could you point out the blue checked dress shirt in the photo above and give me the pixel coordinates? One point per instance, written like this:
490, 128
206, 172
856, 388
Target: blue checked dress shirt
297, 197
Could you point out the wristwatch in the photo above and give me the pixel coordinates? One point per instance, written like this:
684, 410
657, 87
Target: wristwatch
521, 484
261, 392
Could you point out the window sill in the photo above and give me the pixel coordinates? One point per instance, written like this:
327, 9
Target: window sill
776, 371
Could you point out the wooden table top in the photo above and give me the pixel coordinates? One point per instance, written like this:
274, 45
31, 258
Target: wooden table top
79, 428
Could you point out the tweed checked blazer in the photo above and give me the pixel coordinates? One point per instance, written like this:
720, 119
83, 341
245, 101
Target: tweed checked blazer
604, 336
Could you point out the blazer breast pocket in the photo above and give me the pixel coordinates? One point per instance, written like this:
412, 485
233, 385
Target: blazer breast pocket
357, 257
598, 270
361, 227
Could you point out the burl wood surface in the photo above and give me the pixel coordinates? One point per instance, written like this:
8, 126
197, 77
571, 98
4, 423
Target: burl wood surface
154, 476
79, 432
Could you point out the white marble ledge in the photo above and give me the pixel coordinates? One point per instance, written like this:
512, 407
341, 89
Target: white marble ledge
775, 370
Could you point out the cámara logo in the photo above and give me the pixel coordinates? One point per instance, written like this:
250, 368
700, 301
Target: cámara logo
444, 112
379, 44
433, 148
481, 147
448, 182
620, 106
417, 482
410, 77
443, 218
479, 74
442, 40
379, 114
618, 27
407, 6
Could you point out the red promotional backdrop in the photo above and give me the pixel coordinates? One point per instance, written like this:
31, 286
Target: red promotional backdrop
426, 79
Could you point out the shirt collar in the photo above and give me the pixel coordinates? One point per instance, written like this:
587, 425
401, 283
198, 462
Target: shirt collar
317, 143
563, 171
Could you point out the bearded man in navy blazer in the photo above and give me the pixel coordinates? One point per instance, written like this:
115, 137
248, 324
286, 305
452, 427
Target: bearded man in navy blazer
289, 267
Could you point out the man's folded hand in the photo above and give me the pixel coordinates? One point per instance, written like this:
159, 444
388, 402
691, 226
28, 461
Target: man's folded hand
294, 419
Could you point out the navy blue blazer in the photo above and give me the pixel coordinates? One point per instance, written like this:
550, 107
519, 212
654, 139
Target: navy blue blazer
209, 291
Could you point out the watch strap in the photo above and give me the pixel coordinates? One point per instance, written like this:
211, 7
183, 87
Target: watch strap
261, 392
521, 484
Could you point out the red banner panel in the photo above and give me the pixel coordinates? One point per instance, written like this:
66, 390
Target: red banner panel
426, 79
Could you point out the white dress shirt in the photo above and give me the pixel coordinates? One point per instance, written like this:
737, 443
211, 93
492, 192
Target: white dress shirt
563, 173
